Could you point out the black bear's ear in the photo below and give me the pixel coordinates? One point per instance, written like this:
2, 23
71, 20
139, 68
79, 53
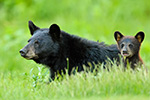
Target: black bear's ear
32, 27
118, 36
140, 36
54, 31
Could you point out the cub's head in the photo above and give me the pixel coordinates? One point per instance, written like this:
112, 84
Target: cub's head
129, 45
43, 42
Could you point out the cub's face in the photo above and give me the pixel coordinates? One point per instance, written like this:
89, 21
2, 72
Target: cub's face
43, 42
129, 45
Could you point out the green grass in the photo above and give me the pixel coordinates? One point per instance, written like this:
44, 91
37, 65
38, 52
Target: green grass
21, 79
113, 84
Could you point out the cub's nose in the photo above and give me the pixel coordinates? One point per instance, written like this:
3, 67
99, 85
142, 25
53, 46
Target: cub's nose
125, 52
22, 52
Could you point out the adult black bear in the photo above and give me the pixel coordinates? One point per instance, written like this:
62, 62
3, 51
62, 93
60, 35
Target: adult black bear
52, 47
129, 47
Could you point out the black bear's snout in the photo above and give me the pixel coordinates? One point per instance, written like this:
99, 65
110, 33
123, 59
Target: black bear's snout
22, 52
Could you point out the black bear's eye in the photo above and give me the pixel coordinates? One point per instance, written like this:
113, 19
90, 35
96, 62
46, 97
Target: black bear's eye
36, 43
130, 45
122, 45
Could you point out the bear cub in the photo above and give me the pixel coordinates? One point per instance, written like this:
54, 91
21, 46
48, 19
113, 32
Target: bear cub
129, 47
52, 47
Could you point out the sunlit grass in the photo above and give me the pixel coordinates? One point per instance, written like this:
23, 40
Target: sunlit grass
34, 84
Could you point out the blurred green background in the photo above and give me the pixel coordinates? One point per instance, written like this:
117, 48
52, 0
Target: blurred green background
21, 79
91, 19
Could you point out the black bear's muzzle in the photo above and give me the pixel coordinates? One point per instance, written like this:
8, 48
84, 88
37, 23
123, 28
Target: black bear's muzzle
28, 54
22, 52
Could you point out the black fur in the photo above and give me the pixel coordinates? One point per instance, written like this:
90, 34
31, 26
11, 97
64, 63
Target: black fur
55, 46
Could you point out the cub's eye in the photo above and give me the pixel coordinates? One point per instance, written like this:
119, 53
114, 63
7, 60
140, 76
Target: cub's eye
122, 45
130, 45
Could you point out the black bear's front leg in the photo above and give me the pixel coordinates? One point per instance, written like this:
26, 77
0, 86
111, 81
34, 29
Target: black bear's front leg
52, 75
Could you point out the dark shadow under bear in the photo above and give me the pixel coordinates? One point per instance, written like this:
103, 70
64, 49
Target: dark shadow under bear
52, 47
129, 47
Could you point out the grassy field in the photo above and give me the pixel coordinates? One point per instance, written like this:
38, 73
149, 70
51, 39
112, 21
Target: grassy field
21, 79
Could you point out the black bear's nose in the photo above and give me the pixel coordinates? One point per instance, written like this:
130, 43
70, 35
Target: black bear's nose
22, 52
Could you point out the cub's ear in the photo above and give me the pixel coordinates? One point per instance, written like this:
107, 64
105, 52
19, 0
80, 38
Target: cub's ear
140, 36
118, 36
54, 31
32, 27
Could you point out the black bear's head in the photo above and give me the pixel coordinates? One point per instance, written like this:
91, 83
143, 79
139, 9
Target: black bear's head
129, 45
44, 42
